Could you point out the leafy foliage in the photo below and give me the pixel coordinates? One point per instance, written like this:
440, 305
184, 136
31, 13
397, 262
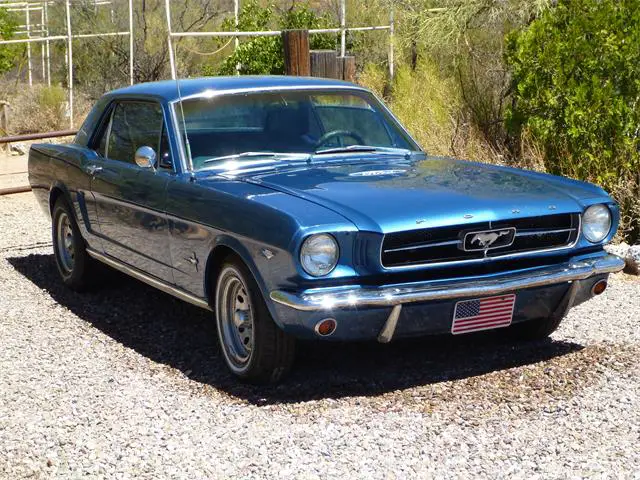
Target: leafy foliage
264, 55
8, 54
576, 78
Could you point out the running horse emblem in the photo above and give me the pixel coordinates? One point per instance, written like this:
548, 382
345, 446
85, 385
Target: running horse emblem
485, 240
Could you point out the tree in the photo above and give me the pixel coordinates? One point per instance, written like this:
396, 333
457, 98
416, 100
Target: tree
8, 54
576, 85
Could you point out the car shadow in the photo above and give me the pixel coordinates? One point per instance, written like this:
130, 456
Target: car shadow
182, 336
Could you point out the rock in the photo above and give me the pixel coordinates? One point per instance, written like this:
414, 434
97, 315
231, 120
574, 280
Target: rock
619, 249
19, 149
632, 260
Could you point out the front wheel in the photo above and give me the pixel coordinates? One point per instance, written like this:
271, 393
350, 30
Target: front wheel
254, 348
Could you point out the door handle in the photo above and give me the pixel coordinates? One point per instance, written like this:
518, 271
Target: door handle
93, 169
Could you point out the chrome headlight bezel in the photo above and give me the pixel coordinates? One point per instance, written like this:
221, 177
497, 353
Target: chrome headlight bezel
596, 223
319, 254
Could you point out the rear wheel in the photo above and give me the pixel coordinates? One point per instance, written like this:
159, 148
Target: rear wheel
253, 346
537, 329
76, 268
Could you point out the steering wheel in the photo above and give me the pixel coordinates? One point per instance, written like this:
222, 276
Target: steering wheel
338, 133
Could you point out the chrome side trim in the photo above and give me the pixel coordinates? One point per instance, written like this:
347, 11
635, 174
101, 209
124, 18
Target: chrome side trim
154, 282
391, 295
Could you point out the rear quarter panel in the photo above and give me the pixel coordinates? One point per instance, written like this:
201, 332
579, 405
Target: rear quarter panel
60, 168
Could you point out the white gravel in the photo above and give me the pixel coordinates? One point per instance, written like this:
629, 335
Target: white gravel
127, 382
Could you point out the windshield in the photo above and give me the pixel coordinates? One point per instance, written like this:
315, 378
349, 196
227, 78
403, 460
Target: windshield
246, 126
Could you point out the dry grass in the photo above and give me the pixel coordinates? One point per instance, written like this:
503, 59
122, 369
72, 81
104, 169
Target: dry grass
41, 108
431, 108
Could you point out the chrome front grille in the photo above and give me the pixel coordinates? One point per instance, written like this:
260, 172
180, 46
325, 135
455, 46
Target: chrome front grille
446, 244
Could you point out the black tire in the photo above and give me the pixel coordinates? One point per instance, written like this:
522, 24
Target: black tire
247, 323
76, 268
537, 329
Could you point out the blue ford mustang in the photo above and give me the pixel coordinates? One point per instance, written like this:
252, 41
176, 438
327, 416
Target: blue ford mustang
300, 208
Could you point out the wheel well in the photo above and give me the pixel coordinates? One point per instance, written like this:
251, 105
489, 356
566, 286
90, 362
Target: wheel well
214, 263
53, 197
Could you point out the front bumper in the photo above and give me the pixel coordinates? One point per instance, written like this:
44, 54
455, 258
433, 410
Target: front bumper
391, 295
370, 303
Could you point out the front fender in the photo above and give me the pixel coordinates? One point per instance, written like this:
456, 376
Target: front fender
253, 255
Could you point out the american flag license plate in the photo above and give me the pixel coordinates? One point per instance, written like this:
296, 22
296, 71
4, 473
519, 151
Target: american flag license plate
483, 314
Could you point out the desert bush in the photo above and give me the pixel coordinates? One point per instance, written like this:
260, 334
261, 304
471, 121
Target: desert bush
42, 109
576, 88
430, 106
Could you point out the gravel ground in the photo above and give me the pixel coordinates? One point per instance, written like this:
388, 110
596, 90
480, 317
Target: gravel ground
128, 382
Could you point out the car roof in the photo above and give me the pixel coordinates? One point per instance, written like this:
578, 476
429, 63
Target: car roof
167, 89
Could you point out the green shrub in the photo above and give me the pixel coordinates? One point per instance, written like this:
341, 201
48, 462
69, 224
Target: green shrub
576, 78
265, 55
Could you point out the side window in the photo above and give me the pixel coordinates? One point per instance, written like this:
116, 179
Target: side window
133, 125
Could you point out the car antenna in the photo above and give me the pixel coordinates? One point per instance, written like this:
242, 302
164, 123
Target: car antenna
187, 146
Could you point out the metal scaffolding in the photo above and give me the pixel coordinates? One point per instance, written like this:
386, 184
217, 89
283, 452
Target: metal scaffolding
35, 30
39, 33
342, 30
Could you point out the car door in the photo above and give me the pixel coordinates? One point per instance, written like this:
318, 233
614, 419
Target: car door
130, 200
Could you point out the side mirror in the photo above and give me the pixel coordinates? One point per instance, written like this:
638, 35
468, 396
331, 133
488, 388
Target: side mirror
146, 157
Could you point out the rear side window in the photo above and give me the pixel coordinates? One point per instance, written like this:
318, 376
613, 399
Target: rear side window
133, 125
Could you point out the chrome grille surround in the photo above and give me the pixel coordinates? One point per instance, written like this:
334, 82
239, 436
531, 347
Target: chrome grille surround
530, 231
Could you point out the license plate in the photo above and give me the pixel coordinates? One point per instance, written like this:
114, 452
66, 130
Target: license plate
483, 314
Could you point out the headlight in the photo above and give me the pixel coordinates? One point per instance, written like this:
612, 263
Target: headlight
319, 254
596, 223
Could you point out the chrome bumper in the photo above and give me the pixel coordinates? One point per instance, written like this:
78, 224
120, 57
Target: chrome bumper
392, 295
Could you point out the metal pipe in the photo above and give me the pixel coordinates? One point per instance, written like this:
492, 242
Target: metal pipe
61, 37
236, 15
12, 190
47, 46
70, 61
29, 73
343, 31
37, 136
273, 33
172, 60
31, 40
106, 34
131, 42
391, 43
44, 69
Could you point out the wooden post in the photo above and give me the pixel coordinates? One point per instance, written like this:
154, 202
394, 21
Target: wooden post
4, 124
296, 52
347, 68
324, 63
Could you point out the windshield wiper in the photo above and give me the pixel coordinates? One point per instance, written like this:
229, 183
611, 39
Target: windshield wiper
237, 156
364, 148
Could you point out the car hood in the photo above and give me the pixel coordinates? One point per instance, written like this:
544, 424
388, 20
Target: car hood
398, 194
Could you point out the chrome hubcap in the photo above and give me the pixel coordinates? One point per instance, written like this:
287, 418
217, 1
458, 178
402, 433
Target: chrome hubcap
65, 242
236, 320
